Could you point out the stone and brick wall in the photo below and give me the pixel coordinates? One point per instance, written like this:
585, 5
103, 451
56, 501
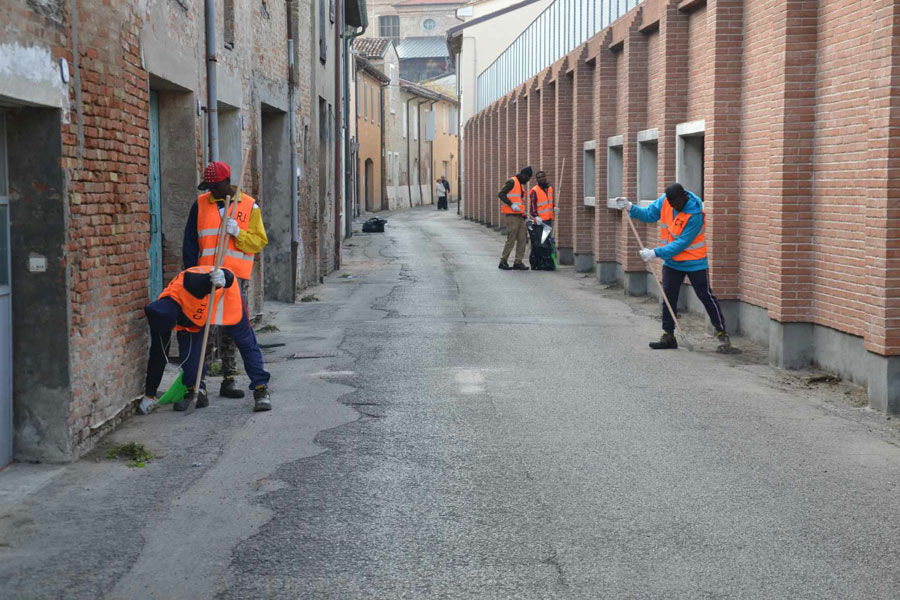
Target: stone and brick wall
799, 122
113, 53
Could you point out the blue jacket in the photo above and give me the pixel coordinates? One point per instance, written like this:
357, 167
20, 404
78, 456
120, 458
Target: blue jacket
651, 214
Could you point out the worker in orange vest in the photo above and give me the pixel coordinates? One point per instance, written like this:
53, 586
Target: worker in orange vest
246, 238
541, 200
183, 306
682, 246
512, 195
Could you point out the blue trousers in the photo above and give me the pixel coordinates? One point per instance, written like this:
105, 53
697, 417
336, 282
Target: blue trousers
672, 280
162, 316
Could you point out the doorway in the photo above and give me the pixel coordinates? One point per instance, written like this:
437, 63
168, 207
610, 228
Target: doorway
156, 254
370, 185
6, 399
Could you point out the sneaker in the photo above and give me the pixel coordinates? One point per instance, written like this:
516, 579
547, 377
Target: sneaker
228, 389
519, 267
203, 398
505, 266
147, 404
261, 401
666, 342
724, 343
187, 404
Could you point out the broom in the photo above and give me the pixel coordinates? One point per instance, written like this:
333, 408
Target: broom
556, 219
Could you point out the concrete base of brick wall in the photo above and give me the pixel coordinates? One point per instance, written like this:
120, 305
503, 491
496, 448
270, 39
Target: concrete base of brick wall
565, 256
804, 345
608, 272
635, 284
584, 263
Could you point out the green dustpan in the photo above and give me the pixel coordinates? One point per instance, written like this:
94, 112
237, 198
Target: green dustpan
175, 393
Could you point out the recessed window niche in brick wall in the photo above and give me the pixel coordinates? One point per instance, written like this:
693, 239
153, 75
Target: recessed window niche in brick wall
614, 169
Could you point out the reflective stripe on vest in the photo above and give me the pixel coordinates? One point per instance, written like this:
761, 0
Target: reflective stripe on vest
671, 226
208, 221
515, 197
544, 202
227, 306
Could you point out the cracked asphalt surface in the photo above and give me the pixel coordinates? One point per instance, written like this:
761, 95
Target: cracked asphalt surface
443, 429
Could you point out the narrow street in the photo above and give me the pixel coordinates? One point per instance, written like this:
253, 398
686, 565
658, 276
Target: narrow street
443, 429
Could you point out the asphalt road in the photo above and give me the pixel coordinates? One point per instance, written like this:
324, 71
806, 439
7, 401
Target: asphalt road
443, 429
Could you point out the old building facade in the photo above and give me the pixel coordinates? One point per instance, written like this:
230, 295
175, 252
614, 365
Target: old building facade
105, 123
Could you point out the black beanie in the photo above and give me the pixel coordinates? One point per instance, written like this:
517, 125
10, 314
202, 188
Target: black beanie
526, 172
676, 193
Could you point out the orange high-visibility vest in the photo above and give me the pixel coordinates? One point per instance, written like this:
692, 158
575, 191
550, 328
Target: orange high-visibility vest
227, 306
208, 220
515, 196
544, 202
671, 226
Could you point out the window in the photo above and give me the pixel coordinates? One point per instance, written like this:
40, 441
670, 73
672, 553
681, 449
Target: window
614, 166
589, 174
372, 101
446, 112
389, 27
229, 23
323, 34
428, 24
415, 122
393, 90
405, 120
689, 151
647, 161
365, 94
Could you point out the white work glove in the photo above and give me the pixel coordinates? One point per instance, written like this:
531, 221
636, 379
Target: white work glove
647, 254
623, 203
232, 228
517, 206
217, 277
539, 220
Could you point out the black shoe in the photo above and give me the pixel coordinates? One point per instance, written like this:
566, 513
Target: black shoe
229, 390
505, 266
187, 404
519, 267
666, 342
261, 401
202, 398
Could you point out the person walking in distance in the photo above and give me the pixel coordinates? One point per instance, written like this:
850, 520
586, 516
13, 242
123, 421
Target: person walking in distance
246, 238
441, 190
682, 246
512, 195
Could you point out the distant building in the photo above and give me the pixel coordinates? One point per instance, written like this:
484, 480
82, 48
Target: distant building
368, 106
411, 18
424, 58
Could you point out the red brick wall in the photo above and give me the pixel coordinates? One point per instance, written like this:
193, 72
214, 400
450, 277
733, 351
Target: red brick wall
840, 292
582, 81
567, 194
802, 152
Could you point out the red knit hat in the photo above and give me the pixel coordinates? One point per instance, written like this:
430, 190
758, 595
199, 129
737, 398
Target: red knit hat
214, 172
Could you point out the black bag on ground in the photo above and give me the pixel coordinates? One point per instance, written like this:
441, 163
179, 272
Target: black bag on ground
541, 257
374, 225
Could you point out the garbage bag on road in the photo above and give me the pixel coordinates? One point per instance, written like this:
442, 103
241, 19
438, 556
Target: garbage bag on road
374, 225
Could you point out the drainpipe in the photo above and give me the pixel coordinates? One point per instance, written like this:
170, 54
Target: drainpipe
296, 246
433, 166
348, 42
212, 100
459, 142
339, 124
383, 152
419, 144
408, 140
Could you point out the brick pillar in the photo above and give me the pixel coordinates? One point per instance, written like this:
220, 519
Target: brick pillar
491, 163
501, 153
882, 335
479, 168
790, 173
673, 40
582, 81
633, 118
483, 189
533, 127
566, 193
723, 151
547, 147
606, 221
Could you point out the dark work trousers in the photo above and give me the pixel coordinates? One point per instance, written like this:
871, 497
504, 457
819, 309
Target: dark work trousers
672, 280
162, 316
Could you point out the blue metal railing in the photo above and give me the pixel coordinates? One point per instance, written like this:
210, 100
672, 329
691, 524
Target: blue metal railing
559, 29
